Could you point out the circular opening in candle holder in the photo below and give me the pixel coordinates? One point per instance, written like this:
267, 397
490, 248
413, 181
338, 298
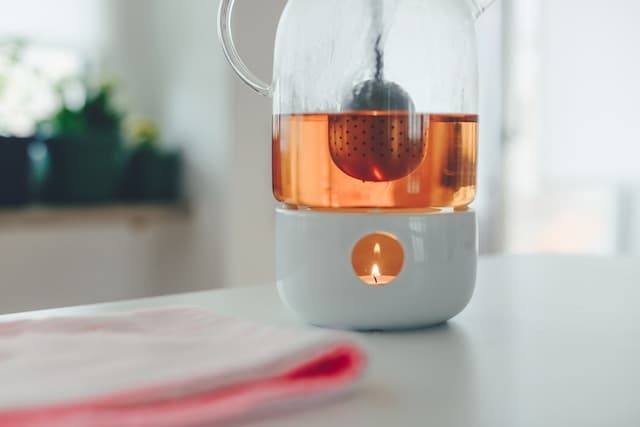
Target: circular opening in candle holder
377, 259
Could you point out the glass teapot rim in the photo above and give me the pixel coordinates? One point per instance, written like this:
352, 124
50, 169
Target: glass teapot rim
225, 11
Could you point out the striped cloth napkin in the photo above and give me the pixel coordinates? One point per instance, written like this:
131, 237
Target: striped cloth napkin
164, 368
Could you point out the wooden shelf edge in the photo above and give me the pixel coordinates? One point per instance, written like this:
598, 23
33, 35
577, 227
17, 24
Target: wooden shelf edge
134, 214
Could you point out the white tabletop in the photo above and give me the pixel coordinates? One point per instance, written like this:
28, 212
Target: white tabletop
547, 341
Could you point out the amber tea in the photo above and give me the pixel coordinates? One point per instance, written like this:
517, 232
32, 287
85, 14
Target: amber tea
375, 160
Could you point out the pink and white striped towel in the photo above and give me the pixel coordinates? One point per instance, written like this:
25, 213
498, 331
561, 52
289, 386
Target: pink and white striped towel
163, 368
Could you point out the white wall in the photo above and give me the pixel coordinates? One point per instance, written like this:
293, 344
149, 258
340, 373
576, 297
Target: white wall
490, 173
168, 56
575, 183
251, 203
72, 23
590, 86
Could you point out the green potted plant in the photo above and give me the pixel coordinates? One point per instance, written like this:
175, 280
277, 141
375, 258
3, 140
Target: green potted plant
84, 151
15, 183
21, 87
153, 173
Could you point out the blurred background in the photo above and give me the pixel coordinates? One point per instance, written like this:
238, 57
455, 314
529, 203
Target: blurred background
181, 200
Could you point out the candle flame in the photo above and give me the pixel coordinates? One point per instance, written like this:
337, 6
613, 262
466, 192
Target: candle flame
375, 272
376, 249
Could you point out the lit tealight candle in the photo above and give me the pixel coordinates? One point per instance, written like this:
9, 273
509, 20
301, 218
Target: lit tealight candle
376, 278
377, 259
375, 272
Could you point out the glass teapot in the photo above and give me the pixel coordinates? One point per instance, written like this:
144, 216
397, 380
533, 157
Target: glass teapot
374, 102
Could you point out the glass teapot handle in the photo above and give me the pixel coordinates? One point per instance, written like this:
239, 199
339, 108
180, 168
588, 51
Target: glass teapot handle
231, 53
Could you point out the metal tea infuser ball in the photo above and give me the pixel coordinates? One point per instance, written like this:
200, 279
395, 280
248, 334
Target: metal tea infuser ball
380, 148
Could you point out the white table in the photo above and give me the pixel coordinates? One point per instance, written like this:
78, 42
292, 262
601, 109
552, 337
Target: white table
547, 341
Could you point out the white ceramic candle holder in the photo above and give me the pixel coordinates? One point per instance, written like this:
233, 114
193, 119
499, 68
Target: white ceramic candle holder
376, 271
